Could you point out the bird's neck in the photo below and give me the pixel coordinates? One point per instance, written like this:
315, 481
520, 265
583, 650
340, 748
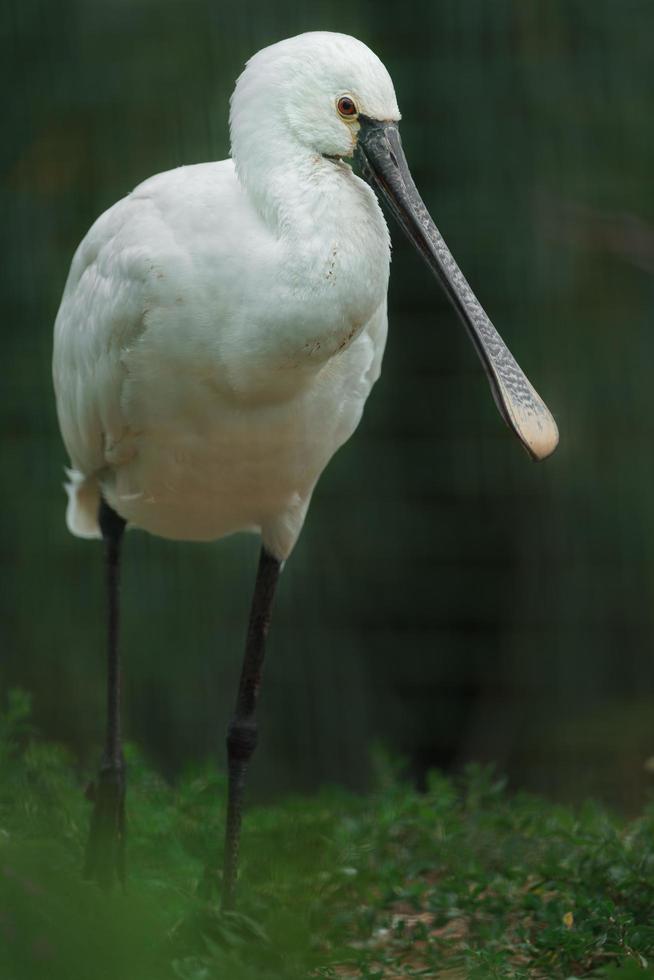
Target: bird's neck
319, 210
289, 187
331, 253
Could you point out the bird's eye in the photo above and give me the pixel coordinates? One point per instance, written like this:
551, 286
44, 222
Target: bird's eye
346, 107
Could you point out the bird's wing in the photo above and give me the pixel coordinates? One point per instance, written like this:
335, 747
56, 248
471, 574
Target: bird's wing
127, 272
113, 283
100, 316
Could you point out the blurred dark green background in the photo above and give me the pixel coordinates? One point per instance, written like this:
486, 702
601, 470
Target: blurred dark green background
447, 596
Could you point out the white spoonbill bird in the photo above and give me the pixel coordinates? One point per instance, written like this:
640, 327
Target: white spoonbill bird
219, 333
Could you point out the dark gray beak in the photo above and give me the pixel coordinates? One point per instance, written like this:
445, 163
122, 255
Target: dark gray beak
384, 167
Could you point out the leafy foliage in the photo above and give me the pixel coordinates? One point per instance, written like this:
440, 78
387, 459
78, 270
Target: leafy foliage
462, 881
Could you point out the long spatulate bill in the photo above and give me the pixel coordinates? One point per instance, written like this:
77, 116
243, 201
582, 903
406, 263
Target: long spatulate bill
384, 166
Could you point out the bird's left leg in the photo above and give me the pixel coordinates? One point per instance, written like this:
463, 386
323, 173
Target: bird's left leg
242, 730
105, 849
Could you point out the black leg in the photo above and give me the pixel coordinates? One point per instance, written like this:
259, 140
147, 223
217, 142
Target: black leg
105, 850
242, 730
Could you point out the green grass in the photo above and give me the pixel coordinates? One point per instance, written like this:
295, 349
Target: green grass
463, 881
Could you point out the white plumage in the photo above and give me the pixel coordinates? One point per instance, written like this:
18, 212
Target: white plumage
222, 325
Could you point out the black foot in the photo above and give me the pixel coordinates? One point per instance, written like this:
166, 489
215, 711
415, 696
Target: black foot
105, 849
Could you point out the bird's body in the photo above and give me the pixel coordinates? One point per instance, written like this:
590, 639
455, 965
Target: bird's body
212, 352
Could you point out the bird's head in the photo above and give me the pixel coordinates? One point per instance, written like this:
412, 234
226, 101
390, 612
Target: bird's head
315, 89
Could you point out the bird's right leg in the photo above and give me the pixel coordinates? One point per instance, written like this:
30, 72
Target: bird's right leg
105, 849
242, 730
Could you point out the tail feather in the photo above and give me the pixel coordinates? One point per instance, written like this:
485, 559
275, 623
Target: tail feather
83, 505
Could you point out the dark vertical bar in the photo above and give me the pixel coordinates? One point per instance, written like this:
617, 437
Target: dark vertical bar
105, 850
114, 678
242, 730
